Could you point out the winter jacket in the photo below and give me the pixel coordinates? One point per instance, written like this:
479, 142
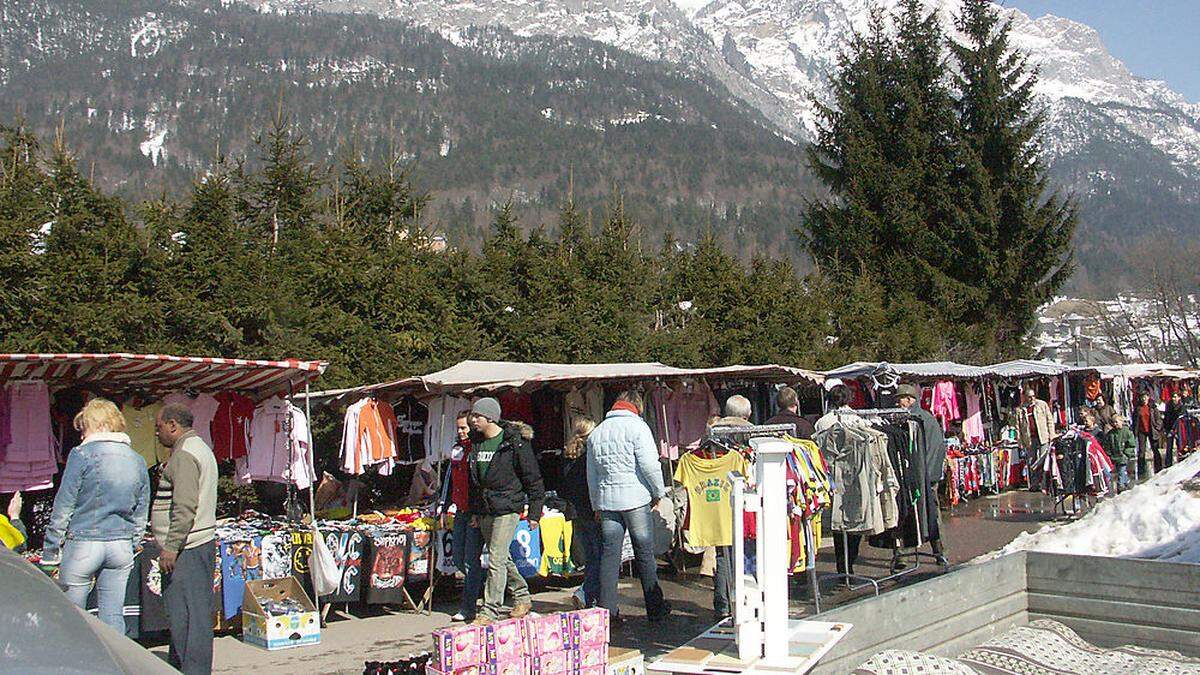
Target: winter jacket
933, 447
104, 495
622, 463
1156, 422
1172, 415
1105, 415
1120, 446
574, 488
1043, 418
513, 479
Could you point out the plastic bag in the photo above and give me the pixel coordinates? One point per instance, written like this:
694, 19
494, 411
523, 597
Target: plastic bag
326, 575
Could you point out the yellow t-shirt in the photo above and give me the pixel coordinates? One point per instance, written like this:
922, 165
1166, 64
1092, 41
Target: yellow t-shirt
710, 511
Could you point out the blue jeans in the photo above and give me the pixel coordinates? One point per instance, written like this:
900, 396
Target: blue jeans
723, 581
108, 564
641, 533
587, 532
468, 558
1122, 476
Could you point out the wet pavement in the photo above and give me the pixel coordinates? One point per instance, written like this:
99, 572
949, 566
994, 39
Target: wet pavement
969, 529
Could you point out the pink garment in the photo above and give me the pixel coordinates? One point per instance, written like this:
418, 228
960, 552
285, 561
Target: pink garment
30, 460
688, 410
204, 410
944, 405
277, 454
973, 425
656, 400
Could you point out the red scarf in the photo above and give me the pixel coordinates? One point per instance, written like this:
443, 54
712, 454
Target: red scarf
626, 405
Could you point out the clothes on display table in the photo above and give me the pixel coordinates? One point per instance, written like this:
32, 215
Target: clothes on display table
369, 437
280, 445
979, 470
29, 460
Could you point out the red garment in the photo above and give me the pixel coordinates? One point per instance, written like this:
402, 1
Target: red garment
516, 406
1144, 419
230, 427
460, 476
626, 406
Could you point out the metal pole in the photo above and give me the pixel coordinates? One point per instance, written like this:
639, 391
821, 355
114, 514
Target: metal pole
312, 493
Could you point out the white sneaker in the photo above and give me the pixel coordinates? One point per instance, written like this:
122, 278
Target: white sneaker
458, 618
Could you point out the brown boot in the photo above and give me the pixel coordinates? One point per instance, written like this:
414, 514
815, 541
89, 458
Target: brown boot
521, 609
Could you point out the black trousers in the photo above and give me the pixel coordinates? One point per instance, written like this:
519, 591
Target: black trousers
188, 597
852, 542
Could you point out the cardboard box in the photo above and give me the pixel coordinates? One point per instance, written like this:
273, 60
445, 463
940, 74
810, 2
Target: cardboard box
282, 631
589, 626
518, 667
550, 633
554, 663
507, 640
592, 656
458, 647
623, 661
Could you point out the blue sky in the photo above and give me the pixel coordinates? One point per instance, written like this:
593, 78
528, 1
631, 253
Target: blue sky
1159, 39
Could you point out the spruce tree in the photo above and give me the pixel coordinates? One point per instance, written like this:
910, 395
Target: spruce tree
1028, 231
24, 211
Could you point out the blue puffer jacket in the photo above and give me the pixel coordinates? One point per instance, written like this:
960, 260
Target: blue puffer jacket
622, 463
104, 495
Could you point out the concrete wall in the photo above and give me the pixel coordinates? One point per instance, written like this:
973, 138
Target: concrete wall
1109, 601
946, 615
1114, 601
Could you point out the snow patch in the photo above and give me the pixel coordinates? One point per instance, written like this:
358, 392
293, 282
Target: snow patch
152, 147
1157, 520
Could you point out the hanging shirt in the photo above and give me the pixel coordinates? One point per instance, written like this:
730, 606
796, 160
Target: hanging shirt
710, 510
231, 426
441, 431
204, 410
139, 424
688, 410
280, 444
410, 419
586, 402
460, 478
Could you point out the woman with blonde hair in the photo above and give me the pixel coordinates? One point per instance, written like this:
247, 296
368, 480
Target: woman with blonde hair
99, 513
585, 526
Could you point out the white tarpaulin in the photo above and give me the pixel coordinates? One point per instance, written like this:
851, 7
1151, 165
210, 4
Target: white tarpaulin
1027, 368
946, 369
480, 377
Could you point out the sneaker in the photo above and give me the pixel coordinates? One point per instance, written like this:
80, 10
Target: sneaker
941, 560
481, 621
459, 618
521, 609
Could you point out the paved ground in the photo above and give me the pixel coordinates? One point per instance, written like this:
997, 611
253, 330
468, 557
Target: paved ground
969, 530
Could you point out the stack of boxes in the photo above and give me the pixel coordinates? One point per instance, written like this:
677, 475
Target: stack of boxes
571, 643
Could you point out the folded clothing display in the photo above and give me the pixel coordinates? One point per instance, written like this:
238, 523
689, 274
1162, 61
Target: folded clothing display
1044, 646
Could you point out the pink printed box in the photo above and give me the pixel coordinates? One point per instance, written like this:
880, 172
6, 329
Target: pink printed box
549, 634
506, 640
457, 648
589, 626
554, 663
592, 656
520, 666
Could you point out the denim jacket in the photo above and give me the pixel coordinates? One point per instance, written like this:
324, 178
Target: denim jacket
104, 495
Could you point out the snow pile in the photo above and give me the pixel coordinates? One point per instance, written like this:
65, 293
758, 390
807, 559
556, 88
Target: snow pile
1159, 520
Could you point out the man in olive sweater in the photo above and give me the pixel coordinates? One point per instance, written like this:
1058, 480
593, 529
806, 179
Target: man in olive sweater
183, 519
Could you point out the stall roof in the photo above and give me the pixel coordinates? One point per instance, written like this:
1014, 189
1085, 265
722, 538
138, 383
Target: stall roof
1144, 370
480, 377
157, 372
1027, 368
947, 369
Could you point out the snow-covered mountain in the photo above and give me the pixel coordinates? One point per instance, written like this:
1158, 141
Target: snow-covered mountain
777, 55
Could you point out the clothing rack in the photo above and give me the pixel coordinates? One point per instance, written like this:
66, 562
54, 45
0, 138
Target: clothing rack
916, 553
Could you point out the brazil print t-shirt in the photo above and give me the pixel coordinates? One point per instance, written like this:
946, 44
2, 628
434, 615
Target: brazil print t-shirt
710, 512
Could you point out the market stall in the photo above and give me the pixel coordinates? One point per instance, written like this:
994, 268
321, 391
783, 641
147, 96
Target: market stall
420, 413
243, 409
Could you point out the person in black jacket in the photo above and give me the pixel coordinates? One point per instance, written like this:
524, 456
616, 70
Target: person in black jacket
585, 527
929, 462
505, 479
789, 413
1175, 410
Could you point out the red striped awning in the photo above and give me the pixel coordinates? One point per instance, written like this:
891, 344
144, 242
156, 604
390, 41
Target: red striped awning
157, 372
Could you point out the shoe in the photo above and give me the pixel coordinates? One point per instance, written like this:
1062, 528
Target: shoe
941, 560
481, 621
663, 612
577, 600
521, 609
459, 617
898, 564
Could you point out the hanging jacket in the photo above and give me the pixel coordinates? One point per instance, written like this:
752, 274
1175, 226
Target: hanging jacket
513, 478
